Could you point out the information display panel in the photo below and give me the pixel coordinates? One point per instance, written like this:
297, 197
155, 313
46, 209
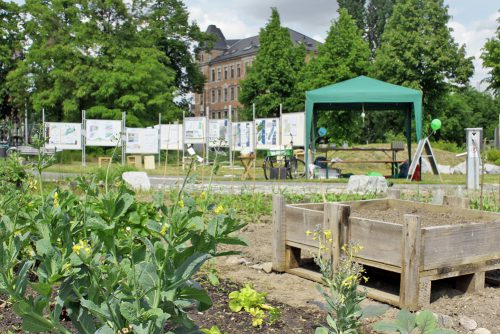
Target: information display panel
64, 136
142, 141
103, 132
267, 131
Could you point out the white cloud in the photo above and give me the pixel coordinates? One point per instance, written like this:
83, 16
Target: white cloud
474, 35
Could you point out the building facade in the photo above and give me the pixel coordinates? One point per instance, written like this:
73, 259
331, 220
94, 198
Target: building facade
225, 65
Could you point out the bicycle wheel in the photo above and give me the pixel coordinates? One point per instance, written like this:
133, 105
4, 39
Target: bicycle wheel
267, 164
297, 169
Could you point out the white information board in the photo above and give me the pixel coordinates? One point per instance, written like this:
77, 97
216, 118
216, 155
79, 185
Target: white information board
64, 136
218, 132
103, 132
267, 131
243, 136
171, 137
293, 129
142, 141
195, 130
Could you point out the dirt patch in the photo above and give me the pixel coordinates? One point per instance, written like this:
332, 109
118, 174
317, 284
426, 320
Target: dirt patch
484, 307
428, 216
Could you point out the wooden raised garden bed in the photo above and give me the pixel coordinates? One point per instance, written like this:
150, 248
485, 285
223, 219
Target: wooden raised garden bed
417, 243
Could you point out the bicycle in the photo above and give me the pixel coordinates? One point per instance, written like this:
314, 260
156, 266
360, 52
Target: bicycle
284, 158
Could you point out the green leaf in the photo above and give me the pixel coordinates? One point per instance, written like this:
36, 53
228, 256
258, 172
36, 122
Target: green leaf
32, 321
196, 223
43, 246
321, 330
22, 278
188, 268
200, 295
105, 330
146, 275
426, 321
389, 327
96, 310
128, 311
373, 311
235, 305
43, 289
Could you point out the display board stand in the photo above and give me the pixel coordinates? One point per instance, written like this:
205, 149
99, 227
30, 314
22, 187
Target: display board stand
423, 144
123, 137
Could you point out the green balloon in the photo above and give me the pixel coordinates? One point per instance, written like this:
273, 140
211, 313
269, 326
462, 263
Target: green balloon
436, 124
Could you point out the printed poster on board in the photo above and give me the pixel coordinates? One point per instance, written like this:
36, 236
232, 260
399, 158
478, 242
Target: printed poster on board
243, 136
293, 129
267, 131
64, 136
218, 133
103, 132
142, 141
195, 130
171, 137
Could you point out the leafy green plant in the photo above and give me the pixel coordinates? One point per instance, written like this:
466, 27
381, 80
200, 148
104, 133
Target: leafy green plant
407, 323
254, 303
115, 265
212, 330
342, 295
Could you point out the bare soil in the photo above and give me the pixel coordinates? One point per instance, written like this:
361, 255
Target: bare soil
483, 307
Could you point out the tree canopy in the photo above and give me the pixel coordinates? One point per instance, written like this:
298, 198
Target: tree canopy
491, 59
418, 50
106, 57
272, 79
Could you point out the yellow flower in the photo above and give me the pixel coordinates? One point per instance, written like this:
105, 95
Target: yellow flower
180, 203
32, 185
164, 229
308, 232
56, 200
203, 195
328, 234
82, 245
219, 209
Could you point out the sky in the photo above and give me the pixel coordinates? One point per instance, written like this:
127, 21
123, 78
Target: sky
473, 21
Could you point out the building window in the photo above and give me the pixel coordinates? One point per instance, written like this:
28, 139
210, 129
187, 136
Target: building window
219, 74
201, 98
246, 66
201, 57
232, 71
213, 114
225, 73
238, 90
238, 70
232, 93
225, 94
213, 74
213, 96
219, 95
225, 113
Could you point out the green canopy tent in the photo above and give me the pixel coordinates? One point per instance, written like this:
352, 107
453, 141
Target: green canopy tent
371, 94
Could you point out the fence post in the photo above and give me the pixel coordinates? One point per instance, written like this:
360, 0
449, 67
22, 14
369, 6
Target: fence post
278, 241
336, 219
410, 264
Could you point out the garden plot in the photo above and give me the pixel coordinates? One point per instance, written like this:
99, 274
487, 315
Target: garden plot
414, 244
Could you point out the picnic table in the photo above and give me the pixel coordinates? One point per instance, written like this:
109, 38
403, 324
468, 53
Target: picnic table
248, 162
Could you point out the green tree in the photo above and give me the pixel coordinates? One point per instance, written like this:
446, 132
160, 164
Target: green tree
272, 78
377, 14
344, 55
418, 51
357, 9
491, 59
10, 51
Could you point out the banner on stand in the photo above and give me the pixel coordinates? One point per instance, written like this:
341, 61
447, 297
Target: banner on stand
293, 129
243, 136
64, 136
218, 133
103, 132
142, 141
267, 131
171, 137
195, 130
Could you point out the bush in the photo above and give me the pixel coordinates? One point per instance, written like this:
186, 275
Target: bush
448, 146
493, 155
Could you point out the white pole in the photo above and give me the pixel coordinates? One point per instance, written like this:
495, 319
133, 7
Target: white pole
84, 135
230, 132
124, 136
183, 135
159, 139
280, 123
25, 125
43, 126
207, 141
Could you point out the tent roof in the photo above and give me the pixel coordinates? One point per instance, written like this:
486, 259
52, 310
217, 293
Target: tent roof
363, 89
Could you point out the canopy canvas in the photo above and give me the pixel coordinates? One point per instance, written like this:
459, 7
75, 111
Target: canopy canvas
371, 94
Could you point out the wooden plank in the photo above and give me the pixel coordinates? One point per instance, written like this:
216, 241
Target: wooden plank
464, 269
306, 273
453, 245
472, 282
456, 202
299, 221
379, 265
278, 239
310, 206
376, 204
410, 280
308, 248
292, 257
381, 241
336, 217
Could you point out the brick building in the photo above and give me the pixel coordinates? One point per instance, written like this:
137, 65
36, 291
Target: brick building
225, 65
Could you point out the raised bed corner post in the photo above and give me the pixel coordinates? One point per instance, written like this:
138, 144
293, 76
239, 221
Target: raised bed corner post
412, 294
279, 230
337, 221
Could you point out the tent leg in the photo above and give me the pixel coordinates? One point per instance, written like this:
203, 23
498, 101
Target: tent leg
408, 134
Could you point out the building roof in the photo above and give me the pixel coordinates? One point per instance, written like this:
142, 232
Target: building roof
237, 48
